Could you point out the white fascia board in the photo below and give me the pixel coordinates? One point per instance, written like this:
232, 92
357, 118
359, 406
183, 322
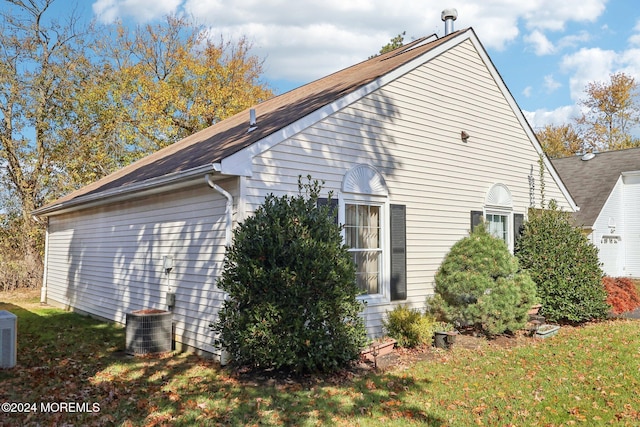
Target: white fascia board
522, 119
240, 163
151, 186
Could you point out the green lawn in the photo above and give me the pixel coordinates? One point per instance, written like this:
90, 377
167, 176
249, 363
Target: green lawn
588, 376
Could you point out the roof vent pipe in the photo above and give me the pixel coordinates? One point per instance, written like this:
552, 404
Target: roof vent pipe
253, 124
448, 16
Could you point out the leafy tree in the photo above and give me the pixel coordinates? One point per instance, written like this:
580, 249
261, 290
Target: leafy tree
394, 43
156, 85
559, 141
40, 60
77, 104
292, 289
564, 265
479, 284
612, 112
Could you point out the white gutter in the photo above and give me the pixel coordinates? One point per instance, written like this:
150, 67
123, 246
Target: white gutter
148, 186
228, 209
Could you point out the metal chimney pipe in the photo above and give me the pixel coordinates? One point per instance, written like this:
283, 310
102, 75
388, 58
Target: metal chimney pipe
448, 16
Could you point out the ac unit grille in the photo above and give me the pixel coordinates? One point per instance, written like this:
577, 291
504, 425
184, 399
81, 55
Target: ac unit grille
8, 339
148, 333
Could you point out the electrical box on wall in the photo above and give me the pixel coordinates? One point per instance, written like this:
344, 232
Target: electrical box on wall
171, 299
167, 263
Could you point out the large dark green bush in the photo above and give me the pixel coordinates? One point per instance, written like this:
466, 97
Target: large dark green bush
564, 265
479, 284
292, 289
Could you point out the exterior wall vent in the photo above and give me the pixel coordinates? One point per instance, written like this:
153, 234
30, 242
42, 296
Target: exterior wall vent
8, 339
148, 332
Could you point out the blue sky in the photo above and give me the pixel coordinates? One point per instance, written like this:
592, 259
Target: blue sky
545, 50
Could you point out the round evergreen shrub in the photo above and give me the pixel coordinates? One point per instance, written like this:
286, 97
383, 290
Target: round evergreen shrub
479, 284
564, 265
292, 289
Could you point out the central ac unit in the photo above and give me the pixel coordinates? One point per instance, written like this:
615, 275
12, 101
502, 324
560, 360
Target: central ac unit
8, 339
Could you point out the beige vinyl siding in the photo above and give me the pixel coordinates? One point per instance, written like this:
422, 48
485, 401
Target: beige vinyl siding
108, 261
410, 131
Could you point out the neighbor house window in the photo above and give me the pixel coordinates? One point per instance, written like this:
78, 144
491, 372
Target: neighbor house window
363, 236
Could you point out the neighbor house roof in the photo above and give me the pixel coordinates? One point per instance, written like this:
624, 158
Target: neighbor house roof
215, 143
590, 182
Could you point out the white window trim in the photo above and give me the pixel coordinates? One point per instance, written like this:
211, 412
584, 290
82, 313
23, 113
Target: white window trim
509, 214
384, 297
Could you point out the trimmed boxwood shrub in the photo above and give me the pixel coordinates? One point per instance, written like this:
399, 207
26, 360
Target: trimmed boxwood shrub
292, 289
564, 265
479, 284
410, 327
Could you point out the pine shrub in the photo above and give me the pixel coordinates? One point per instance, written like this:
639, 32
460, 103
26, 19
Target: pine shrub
479, 284
564, 265
292, 289
410, 327
622, 294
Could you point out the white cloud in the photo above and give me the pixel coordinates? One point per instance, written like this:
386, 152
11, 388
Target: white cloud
495, 21
541, 44
527, 91
551, 84
559, 116
304, 40
141, 10
573, 40
586, 66
553, 15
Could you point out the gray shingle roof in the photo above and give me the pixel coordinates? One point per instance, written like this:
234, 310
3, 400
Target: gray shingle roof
590, 182
229, 136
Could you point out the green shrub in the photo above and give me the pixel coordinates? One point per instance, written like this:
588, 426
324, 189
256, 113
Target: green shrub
410, 327
292, 289
479, 284
564, 265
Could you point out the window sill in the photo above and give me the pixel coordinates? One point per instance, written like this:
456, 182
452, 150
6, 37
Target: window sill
373, 300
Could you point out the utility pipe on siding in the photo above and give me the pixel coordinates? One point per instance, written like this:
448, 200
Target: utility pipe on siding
224, 355
45, 272
228, 209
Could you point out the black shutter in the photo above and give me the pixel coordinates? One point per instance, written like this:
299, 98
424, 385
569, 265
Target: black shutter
323, 201
518, 226
476, 219
398, 248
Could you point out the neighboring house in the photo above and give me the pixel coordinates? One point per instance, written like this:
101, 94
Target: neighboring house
415, 144
606, 186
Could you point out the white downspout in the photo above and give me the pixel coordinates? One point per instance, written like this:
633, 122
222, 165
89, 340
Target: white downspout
45, 272
228, 210
224, 355
43, 289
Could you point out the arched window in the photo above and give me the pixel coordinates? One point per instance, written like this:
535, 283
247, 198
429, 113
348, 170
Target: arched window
499, 215
363, 212
498, 209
